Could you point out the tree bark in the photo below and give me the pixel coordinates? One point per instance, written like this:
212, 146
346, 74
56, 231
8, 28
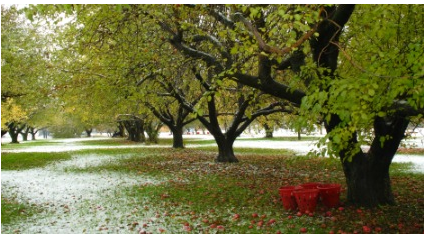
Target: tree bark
14, 130
14, 136
225, 149
177, 137
367, 175
268, 131
24, 133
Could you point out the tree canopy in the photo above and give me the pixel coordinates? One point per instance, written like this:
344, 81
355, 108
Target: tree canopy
356, 69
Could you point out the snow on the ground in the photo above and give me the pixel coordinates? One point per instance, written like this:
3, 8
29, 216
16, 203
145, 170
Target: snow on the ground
74, 202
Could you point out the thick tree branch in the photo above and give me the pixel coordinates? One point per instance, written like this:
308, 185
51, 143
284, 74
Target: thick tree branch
272, 87
221, 18
270, 49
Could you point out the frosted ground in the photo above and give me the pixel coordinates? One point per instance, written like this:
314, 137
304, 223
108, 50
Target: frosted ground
95, 202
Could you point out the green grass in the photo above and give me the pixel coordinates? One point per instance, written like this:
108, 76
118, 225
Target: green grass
30, 143
20, 161
12, 211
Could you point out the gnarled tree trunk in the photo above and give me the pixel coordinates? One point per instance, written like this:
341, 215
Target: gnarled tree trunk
14, 130
367, 175
225, 149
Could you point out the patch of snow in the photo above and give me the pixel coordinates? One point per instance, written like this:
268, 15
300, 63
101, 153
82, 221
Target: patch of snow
417, 160
75, 202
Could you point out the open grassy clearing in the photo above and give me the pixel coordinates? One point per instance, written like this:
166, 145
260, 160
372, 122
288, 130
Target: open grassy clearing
197, 195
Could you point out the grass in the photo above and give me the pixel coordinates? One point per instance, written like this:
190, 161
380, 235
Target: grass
30, 143
21, 161
12, 210
200, 196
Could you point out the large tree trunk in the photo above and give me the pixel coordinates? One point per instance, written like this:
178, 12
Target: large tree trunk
367, 174
177, 137
225, 149
14, 130
14, 135
368, 182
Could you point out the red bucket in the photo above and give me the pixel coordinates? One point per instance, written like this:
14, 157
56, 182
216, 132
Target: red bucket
306, 199
330, 194
310, 185
286, 194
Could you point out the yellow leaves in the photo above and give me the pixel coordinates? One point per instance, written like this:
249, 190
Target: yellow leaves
11, 112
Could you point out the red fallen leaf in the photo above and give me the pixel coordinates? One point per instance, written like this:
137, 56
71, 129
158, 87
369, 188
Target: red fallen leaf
278, 232
289, 217
341, 208
272, 221
205, 220
299, 214
263, 216
236, 216
213, 226
220, 227
255, 215
366, 229
161, 230
303, 230
260, 223
250, 226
